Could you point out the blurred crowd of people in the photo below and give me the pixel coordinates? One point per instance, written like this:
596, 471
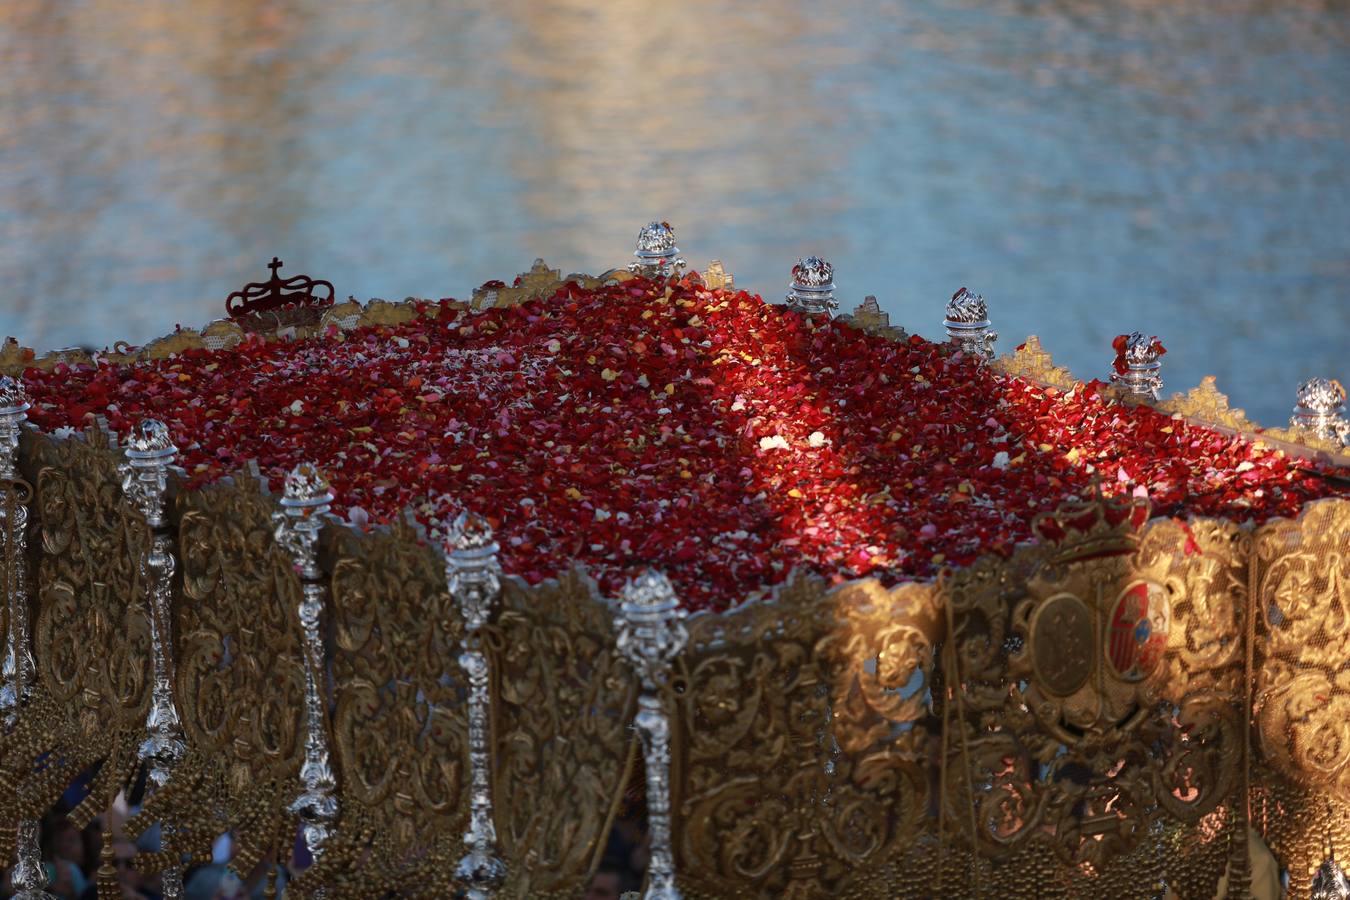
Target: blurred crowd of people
71, 857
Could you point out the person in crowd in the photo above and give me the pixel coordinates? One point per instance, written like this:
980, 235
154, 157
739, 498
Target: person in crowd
610, 882
213, 882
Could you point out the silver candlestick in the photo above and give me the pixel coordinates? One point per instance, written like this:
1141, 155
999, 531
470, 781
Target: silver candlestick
651, 632
657, 255
1142, 376
812, 288
29, 876
1320, 404
145, 474
473, 577
145, 477
304, 501
16, 675
967, 324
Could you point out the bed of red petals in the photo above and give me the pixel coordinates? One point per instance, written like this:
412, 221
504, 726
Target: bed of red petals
714, 436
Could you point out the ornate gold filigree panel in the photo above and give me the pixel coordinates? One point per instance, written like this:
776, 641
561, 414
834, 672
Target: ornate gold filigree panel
91, 630
1095, 687
239, 677
799, 764
1303, 691
563, 708
399, 724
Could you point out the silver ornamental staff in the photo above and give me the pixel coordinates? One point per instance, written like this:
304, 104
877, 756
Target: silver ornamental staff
473, 577
1320, 402
1143, 373
651, 632
657, 255
967, 324
145, 474
812, 288
304, 501
29, 877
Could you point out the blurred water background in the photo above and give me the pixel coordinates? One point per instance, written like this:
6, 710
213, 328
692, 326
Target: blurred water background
1090, 166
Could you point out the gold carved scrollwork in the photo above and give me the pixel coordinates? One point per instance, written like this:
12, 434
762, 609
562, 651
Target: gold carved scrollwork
564, 745
239, 681
799, 764
400, 730
91, 631
1095, 705
1302, 704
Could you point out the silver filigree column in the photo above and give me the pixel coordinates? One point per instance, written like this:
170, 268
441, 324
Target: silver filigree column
967, 324
304, 502
17, 671
1143, 370
812, 289
651, 632
29, 876
145, 477
1319, 410
657, 255
473, 576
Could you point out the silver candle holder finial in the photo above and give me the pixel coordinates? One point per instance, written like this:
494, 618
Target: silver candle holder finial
651, 632
1319, 410
967, 324
1138, 366
14, 406
145, 478
473, 576
811, 291
305, 500
1329, 882
29, 876
657, 255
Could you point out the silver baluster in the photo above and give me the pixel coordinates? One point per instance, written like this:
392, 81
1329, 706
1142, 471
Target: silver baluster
1319, 410
812, 289
304, 501
1143, 372
145, 477
967, 324
651, 632
29, 877
17, 671
657, 255
473, 576
145, 474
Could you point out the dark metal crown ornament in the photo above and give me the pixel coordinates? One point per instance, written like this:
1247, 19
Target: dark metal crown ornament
278, 293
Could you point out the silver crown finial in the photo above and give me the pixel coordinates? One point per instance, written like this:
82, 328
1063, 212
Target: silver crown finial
657, 255
306, 491
812, 289
150, 440
1137, 366
1319, 409
13, 396
967, 324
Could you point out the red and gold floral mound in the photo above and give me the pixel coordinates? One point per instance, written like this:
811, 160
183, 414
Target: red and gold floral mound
708, 434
